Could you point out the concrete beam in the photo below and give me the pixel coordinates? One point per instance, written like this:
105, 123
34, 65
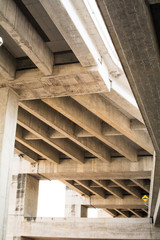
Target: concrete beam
141, 184
111, 115
25, 36
112, 202
115, 191
111, 212
71, 24
28, 153
86, 228
121, 101
88, 121
118, 168
94, 42
39, 147
131, 190
122, 213
40, 129
66, 25
7, 64
66, 80
136, 213
77, 188
107, 130
57, 121
94, 190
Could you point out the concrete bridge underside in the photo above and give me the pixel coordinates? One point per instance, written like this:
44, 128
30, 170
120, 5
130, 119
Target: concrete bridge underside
68, 70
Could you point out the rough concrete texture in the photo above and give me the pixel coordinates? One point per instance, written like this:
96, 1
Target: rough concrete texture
7, 64
66, 80
83, 228
25, 36
8, 119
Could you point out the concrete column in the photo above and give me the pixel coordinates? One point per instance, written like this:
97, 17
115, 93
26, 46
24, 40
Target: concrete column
8, 119
26, 195
73, 206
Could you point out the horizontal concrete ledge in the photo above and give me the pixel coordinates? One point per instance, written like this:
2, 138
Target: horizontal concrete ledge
83, 228
119, 168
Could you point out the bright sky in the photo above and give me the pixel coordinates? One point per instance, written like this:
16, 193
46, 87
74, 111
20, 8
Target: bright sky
51, 201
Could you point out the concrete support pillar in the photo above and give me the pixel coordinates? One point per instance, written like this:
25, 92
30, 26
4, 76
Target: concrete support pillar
73, 206
26, 195
8, 119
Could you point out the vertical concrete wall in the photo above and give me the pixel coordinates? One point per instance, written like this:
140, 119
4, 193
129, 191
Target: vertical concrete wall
8, 120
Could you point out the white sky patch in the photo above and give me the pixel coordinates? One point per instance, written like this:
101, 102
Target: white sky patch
51, 201
92, 212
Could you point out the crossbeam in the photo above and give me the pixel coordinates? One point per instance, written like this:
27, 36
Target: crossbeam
22, 32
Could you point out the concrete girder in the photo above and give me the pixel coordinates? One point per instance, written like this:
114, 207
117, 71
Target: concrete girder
122, 213
111, 115
136, 213
57, 121
116, 192
30, 156
78, 188
40, 129
76, 34
133, 191
107, 130
22, 32
141, 184
93, 44
66, 80
7, 64
94, 190
39, 147
118, 168
87, 120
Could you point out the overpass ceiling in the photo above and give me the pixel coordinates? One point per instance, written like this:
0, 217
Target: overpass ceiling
70, 109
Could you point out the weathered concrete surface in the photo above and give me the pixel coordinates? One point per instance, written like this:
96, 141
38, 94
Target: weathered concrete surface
83, 228
155, 185
17, 26
134, 38
66, 26
37, 127
156, 217
69, 79
111, 115
88, 121
74, 205
38, 147
8, 118
7, 64
23, 195
123, 104
92, 169
136, 44
59, 122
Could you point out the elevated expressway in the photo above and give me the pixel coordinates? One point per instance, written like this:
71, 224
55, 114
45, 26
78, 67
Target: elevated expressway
70, 63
